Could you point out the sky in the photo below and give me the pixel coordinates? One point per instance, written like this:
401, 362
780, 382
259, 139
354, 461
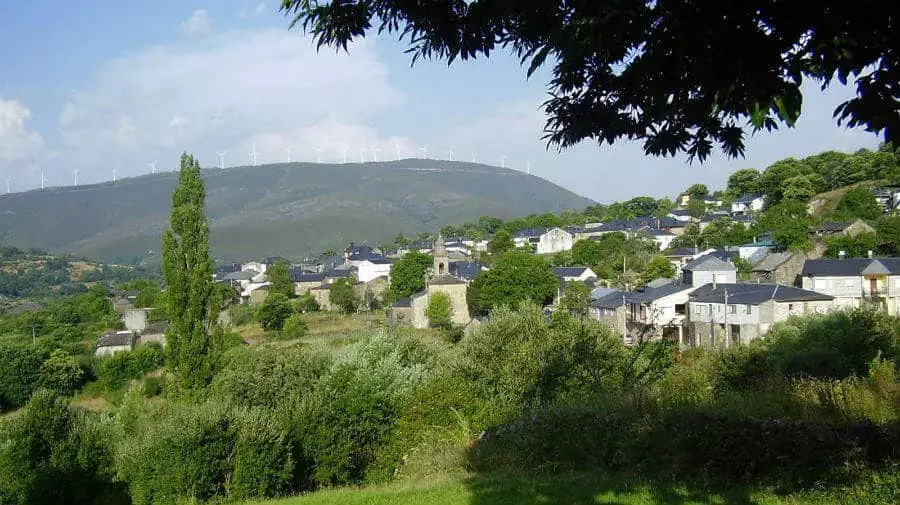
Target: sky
99, 88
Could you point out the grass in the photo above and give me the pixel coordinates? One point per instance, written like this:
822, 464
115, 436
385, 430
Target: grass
570, 488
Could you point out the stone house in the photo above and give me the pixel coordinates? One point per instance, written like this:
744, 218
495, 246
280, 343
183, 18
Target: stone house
849, 228
155, 332
553, 241
708, 269
114, 342
856, 281
412, 312
303, 282
731, 314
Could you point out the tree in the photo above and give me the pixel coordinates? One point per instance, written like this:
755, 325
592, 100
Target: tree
273, 312
147, 297
663, 207
658, 267
697, 191
697, 208
576, 298
798, 188
307, 303
789, 223
400, 240
888, 232
187, 269
858, 203
586, 253
501, 242
516, 276
619, 68
772, 179
489, 224
642, 206
408, 274
743, 182
61, 373
279, 276
342, 295
854, 247
439, 311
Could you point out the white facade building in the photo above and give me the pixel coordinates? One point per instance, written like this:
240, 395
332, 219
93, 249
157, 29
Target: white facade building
856, 281
372, 268
553, 241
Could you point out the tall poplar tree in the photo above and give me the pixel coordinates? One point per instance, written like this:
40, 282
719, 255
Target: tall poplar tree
187, 268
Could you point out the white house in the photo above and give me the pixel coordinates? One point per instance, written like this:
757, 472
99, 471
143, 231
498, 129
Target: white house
662, 238
114, 342
749, 203
731, 314
553, 241
757, 249
579, 274
683, 215
372, 268
257, 266
708, 269
658, 312
528, 236
856, 281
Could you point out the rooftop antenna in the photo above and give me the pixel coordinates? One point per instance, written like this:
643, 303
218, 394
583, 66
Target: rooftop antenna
288, 151
152, 167
75, 175
362, 155
397, 146
424, 150
450, 154
503, 161
222, 159
318, 151
375, 152
474, 157
8, 181
253, 155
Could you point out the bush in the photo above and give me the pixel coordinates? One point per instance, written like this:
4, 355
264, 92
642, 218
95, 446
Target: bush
274, 311
263, 460
294, 327
153, 386
61, 373
240, 315
307, 303
122, 367
20, 373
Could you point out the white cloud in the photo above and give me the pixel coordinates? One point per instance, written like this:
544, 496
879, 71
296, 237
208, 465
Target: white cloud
224, 93
17, 142
198, 25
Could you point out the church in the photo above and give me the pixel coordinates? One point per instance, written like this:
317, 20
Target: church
411, 311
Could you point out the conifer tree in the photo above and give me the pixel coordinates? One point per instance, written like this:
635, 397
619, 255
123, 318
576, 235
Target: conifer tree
187, 268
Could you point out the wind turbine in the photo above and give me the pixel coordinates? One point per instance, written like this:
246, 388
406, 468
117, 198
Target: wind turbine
318, 151
152, 167
75, 175
253, 155
362, 155
346, 150
8, 181
450, 154
43, 179
397, 146
503, 161
424, 150
375, 152
288, 151
222, 159
114, 174
528, 167
474, 157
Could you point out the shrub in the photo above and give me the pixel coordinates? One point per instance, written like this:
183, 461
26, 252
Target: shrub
122, 367
20, 373
342, 295
439, 311
268, 376
274, 311
153, 386
61, 373
294, 327
240, 315
263, 460
307, 303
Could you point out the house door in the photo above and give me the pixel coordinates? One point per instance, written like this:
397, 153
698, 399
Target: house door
873, 286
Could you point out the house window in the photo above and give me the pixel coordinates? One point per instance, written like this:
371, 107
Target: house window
790, 307
733, 309
699, 309
680, 309
749, 309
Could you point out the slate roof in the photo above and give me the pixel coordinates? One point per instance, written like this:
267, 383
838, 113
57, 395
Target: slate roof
338, 273
833, 226
403, 302
530, 232
271, 260
683, 252
708, 263
600, 292
755, 294
569, 271
651, 294
680, 212
465, 269
851, 267
357, 248
308, 277
610, 300
156, 328
747, 198
115, 339
378, 260
660, 233
243, 275
771, 261
227, 268
662, 281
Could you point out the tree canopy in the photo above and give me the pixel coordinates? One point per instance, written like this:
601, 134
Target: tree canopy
683, 77
515, 277
408, 274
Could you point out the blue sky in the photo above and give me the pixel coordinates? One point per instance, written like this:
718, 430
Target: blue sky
92, 86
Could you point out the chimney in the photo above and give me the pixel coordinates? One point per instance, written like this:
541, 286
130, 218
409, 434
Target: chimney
714, 281
842, 254
870, 254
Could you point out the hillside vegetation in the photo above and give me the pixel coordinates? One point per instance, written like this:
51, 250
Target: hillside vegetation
283, 209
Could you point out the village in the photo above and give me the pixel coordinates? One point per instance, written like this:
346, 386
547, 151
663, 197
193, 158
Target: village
705, 303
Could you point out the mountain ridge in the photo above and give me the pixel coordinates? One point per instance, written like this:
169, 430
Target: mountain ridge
287, 209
